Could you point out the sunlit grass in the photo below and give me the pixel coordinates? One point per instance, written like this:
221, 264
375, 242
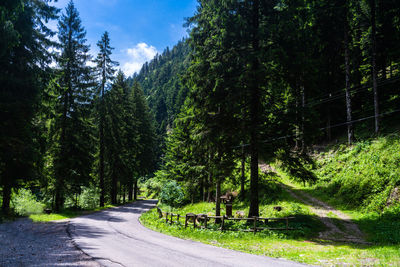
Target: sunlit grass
65, 214
277, 244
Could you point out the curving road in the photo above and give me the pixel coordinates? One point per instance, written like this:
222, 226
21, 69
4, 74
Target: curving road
115, 237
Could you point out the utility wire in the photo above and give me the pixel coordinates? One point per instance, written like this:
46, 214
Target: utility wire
324, 128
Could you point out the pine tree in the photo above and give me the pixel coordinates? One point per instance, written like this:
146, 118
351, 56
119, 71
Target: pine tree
105, 71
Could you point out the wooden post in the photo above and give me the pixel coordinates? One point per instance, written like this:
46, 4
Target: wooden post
223, 223
166, 217
186, 219
177, 218
194, 222
205, 222
172, 218
287, 223
255, 224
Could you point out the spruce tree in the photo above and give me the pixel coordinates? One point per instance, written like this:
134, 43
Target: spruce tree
73, 129
24, 60
105, 72
147, 140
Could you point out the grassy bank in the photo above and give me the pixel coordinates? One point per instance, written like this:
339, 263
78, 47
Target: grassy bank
65, 214
359, 180
292, 246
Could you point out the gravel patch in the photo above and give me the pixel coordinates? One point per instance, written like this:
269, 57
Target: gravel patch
24, 243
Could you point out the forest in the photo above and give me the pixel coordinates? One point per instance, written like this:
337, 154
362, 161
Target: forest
71, 135
272, 81
254, 82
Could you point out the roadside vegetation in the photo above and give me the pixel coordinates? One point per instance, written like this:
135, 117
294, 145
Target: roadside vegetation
26, 204
362, 180
358, 180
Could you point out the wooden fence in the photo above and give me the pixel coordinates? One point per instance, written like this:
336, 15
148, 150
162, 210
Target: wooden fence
201, 221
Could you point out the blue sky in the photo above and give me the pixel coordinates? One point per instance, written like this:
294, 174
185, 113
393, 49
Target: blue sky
138, 28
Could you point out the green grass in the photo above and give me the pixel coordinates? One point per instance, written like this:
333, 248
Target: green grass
355, 180
65, 214
358, 180
296, 247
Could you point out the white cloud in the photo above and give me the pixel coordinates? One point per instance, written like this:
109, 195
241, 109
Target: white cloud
137, 56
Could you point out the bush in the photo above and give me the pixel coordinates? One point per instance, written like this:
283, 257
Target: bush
172, 194
89, 198
24, 203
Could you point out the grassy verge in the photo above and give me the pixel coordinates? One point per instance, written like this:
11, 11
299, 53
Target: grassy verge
66, 214
358, 181
293, 246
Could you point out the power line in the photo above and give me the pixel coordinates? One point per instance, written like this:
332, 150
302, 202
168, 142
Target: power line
324, 128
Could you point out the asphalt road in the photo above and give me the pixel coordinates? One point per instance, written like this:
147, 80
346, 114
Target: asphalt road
115, 237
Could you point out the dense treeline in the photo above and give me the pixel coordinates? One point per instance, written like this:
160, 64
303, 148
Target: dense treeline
68, 128
161, 82
271, 78
254, 80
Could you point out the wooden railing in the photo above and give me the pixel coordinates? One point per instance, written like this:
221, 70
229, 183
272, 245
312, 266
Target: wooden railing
201, 221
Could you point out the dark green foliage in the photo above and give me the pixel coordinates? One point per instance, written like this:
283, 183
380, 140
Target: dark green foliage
105, 74
72, 129
24, 59
172, 194
160, 80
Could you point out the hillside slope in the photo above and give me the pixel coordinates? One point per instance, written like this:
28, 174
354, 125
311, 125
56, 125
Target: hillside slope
363, 180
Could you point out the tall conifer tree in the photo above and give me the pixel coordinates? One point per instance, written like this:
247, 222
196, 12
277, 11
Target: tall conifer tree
105, 71
73, 127
24, 59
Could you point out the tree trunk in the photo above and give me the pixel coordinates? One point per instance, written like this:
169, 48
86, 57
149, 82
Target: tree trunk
101, 154
297, 126
218, 199
136, 188
59, 186
242, 176
347, 74
328, 122
114, 189
303, 108
130, 191
6, 197
201, 192
254, 113
210, 182
373, 59
123, 193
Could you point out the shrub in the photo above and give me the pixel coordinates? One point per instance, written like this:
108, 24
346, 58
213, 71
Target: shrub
24, 203
172, 194
89, 198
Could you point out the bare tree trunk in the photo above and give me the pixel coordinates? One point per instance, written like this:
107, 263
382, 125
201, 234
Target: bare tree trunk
210, 182
328, 122
347, 74
6, 196
123, 193
101, 152
254, 113
373, 59
130, 190
201, 191
218, 199
297, 139
242, 176
114, 189
303, 107
136, 189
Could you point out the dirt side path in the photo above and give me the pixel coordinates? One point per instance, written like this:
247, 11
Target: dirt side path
24, 243
340, 227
